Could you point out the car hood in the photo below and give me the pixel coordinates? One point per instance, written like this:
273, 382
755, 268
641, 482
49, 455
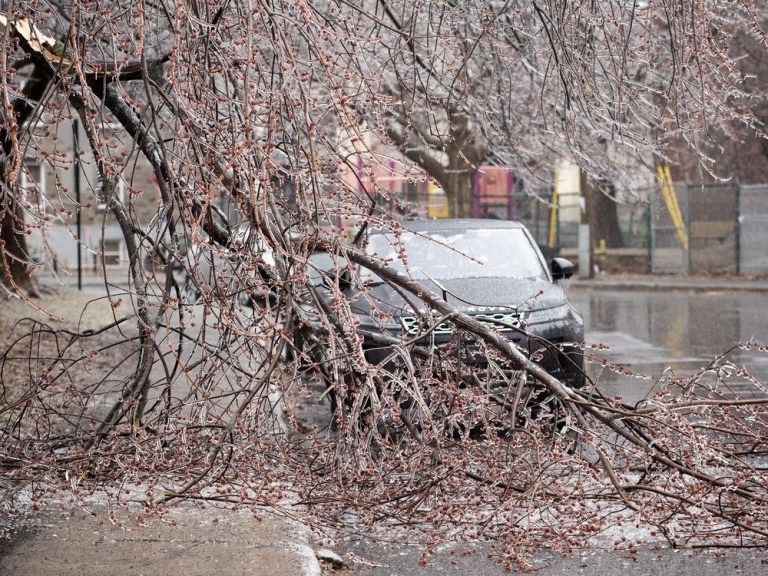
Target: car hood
470, 294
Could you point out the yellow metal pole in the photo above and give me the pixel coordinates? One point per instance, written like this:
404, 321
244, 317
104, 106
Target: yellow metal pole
681, 232
670, 199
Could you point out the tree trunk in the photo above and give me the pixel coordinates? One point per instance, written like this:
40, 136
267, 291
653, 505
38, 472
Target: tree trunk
14, 260
602, 214
459, 186
13, 247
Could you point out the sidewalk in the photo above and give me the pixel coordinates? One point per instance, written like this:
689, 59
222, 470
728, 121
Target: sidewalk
671, 282
193, 541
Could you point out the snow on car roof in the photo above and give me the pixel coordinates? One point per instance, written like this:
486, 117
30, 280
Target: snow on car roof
451, 224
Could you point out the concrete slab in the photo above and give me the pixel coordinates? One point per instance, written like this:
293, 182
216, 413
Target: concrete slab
191, 540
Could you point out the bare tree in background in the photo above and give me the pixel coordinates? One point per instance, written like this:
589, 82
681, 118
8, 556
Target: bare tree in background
524, 84
227, 103
738, 147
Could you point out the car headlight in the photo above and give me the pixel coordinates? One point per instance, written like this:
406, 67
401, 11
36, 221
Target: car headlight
556, 314
561, 323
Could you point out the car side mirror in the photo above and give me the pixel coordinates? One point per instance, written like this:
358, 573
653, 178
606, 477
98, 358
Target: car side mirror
327, 270
345, 279
561, 269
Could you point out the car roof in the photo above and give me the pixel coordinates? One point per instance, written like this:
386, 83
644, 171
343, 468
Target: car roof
459, 224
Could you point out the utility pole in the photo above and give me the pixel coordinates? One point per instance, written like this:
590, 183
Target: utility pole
76, 145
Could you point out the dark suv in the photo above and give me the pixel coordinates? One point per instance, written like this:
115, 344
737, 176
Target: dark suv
490, 269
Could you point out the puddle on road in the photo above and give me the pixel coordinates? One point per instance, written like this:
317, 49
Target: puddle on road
653, 333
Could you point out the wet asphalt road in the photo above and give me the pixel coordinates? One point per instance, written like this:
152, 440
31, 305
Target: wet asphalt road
654, 332
661, 561
649, 333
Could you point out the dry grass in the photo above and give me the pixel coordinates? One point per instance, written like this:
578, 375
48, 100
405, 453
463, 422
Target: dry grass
55, 349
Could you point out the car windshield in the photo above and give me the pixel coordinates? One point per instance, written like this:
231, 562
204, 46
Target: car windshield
482, 253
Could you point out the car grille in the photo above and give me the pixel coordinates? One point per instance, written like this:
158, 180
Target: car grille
502, 321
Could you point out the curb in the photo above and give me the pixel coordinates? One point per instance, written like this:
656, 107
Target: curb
645, 283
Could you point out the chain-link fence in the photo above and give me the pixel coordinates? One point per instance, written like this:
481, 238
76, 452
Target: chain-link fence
684, 228
712, 218
721, 228
670, 228
752, 224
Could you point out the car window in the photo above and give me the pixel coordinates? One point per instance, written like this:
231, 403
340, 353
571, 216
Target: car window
485, 253
322, 266
246, 238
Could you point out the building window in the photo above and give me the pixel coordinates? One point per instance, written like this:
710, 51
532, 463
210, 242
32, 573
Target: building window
113, 252
33, 183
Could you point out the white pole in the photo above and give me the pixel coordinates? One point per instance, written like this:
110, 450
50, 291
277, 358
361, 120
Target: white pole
585, 264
